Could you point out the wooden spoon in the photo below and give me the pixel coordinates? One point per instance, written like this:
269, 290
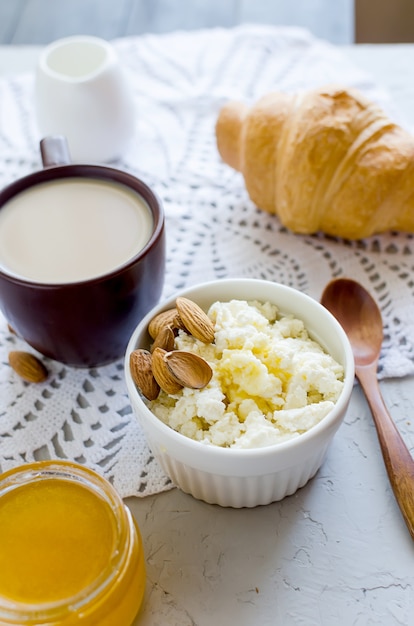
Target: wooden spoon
360, 317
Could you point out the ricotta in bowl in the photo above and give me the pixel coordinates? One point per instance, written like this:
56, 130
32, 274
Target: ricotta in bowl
271, 381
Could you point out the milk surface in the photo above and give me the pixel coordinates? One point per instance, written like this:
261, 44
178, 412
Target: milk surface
72, 229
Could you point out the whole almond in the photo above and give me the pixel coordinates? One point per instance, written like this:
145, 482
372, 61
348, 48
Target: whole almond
140, 363
28, 366
188, 369
164, 339
165, 318
162, 374
195, 320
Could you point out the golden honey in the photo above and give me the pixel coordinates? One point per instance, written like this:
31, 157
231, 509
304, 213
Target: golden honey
70, 552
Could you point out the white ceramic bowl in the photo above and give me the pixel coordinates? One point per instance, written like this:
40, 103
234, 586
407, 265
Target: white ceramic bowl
246, 477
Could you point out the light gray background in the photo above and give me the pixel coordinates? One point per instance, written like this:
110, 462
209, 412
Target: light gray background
42, 21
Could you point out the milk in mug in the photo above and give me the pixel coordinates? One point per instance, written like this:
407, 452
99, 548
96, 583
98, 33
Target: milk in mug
72, 229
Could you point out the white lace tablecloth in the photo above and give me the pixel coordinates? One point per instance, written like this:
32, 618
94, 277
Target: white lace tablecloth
179, 81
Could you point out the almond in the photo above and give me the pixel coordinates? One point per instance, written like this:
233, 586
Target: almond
28, 366
162, 374
189, 369
195, 320
164, 339
165, 318
140, 363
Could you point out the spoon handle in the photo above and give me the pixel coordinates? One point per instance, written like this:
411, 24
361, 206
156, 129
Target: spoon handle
398, 460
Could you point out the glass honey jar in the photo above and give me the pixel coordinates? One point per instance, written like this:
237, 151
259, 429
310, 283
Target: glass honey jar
70, 551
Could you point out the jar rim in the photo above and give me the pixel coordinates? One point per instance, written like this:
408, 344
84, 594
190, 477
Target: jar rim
81, 475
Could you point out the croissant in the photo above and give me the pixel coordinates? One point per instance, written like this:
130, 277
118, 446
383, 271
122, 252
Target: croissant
325, 160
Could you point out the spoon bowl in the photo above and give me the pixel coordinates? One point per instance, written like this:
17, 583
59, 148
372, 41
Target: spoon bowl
360, 317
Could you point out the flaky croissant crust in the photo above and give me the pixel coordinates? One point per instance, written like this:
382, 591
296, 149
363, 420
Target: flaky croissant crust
324, 160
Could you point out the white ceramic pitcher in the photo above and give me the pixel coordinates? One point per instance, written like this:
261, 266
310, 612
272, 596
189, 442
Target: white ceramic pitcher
81, 93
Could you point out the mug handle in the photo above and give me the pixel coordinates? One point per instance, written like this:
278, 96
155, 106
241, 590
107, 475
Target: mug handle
54, 151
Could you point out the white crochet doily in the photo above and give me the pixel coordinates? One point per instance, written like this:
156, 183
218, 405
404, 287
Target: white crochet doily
179, 81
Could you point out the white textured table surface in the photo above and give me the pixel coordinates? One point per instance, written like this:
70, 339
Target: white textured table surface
335, 553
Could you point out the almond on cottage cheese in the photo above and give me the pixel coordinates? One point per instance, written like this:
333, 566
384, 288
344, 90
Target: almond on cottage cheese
271, 382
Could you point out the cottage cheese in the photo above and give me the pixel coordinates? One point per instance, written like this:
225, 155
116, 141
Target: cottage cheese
271, 382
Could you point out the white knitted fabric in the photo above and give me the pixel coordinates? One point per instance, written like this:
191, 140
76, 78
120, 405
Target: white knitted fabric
179, 81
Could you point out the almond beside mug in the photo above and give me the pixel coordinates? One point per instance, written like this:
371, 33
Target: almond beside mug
82, 257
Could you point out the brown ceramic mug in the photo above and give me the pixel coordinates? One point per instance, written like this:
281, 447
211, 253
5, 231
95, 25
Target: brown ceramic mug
82, 257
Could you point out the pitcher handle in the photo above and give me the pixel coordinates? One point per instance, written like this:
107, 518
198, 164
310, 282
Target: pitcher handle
54, 151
